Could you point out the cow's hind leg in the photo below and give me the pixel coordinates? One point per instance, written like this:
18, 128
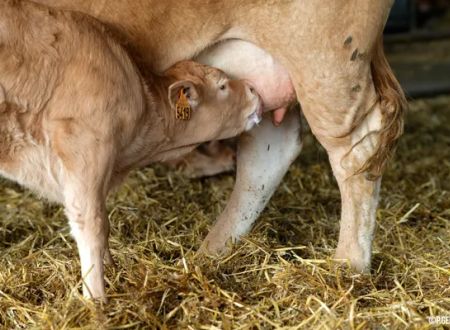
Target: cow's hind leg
359, 197
264, 155
354, 107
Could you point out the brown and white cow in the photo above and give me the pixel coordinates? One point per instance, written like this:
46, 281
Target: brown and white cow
76, 116
332, 50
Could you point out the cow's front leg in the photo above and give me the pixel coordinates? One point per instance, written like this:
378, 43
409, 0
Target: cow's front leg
263, 157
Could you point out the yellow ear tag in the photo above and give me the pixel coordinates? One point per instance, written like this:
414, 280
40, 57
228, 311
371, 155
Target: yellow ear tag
183, 108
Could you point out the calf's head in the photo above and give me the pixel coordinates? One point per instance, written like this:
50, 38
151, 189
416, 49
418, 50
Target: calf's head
208, 105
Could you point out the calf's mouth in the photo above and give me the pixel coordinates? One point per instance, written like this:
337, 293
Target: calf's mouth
256, 116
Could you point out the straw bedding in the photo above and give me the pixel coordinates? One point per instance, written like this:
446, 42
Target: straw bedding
281, 275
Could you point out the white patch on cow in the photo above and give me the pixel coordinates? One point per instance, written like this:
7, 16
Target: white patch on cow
367, 226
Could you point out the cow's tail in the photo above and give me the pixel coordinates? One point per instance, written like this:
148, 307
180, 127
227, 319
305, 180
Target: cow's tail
393, 106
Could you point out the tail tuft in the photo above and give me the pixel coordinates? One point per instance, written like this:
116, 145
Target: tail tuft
393, 106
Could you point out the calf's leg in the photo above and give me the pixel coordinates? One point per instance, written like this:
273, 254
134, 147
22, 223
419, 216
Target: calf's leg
90, 228
209, 159
87, 159
264, 155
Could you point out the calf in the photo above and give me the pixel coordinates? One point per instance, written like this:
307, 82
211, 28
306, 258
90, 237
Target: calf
76, 116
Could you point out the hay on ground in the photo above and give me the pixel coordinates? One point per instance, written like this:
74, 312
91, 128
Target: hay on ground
281, 275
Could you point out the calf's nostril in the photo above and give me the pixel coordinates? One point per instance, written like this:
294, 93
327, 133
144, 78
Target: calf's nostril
252, 90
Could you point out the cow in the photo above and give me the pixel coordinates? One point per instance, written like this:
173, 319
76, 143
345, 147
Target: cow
76, 116
333, 52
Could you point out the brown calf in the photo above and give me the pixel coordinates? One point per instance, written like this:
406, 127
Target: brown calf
76, 116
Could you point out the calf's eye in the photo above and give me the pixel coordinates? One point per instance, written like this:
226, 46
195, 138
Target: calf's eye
186, 92
222, 87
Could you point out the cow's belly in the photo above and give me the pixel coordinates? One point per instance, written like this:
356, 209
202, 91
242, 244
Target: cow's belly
244, 60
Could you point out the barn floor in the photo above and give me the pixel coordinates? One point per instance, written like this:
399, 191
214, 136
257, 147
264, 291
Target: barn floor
280, 276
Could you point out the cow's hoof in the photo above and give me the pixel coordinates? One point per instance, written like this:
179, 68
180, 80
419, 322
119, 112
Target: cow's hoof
216, 247
355, 259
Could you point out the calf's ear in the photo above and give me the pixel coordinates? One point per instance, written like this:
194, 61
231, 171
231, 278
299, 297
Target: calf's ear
183, 91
